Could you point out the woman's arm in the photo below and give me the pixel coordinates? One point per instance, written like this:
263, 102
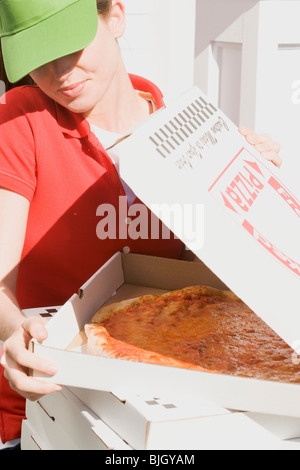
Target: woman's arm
13, 219
15, 329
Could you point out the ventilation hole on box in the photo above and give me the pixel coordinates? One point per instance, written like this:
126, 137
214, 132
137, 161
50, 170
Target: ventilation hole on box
186, 123
45, 411
169, 407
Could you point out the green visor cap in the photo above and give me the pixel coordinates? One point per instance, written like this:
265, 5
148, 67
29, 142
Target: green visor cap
35, 32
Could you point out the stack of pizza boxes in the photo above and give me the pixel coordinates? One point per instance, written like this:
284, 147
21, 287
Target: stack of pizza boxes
234, 212
64, 422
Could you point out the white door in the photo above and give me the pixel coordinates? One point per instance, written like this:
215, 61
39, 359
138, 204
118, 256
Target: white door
270, 77
248, 61
219, 51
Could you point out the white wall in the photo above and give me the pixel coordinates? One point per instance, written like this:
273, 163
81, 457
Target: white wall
159, 42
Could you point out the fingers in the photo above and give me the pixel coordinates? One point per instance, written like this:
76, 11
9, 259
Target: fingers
18, 355
272, 157
16, 361
258, 139
25, 386
270, 151
245, 131
267, 147
16, 347
264, 145
35, 327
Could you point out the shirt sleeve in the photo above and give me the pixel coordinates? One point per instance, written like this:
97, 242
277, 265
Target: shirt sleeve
17, 144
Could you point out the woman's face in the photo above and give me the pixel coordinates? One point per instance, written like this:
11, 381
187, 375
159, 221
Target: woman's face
80, 81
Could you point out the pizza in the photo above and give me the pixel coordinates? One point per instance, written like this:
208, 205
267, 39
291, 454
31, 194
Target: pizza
196, 328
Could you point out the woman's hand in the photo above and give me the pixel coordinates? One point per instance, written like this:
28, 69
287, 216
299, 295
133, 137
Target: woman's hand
16, 361
264, 144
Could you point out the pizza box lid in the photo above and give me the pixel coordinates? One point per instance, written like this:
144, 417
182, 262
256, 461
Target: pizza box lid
192, 167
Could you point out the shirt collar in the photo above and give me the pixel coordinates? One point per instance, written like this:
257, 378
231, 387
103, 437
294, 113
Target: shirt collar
72, 124
142, 84
75, 125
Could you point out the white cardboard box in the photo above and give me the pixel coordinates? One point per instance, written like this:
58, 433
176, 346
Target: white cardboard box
146, 423
129, 276
281, 426
155, 424
62, 422
30, 439
196, 156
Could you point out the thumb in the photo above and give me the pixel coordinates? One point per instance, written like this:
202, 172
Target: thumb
35, 327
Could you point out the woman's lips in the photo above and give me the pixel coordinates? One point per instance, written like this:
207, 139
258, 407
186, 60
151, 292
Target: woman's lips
72, 91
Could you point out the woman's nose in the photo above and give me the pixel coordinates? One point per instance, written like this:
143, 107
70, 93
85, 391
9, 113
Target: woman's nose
63, 66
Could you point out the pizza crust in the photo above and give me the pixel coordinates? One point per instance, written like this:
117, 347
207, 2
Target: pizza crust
105, 312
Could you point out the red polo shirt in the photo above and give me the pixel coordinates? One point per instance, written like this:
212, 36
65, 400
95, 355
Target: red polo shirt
50, 156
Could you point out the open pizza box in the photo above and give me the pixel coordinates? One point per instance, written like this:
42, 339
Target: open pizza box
234, 212
70, 419
146, 422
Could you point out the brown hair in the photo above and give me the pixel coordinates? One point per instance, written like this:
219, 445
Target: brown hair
103, 7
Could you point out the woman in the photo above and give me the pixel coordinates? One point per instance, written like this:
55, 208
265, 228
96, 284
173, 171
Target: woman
54, 172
